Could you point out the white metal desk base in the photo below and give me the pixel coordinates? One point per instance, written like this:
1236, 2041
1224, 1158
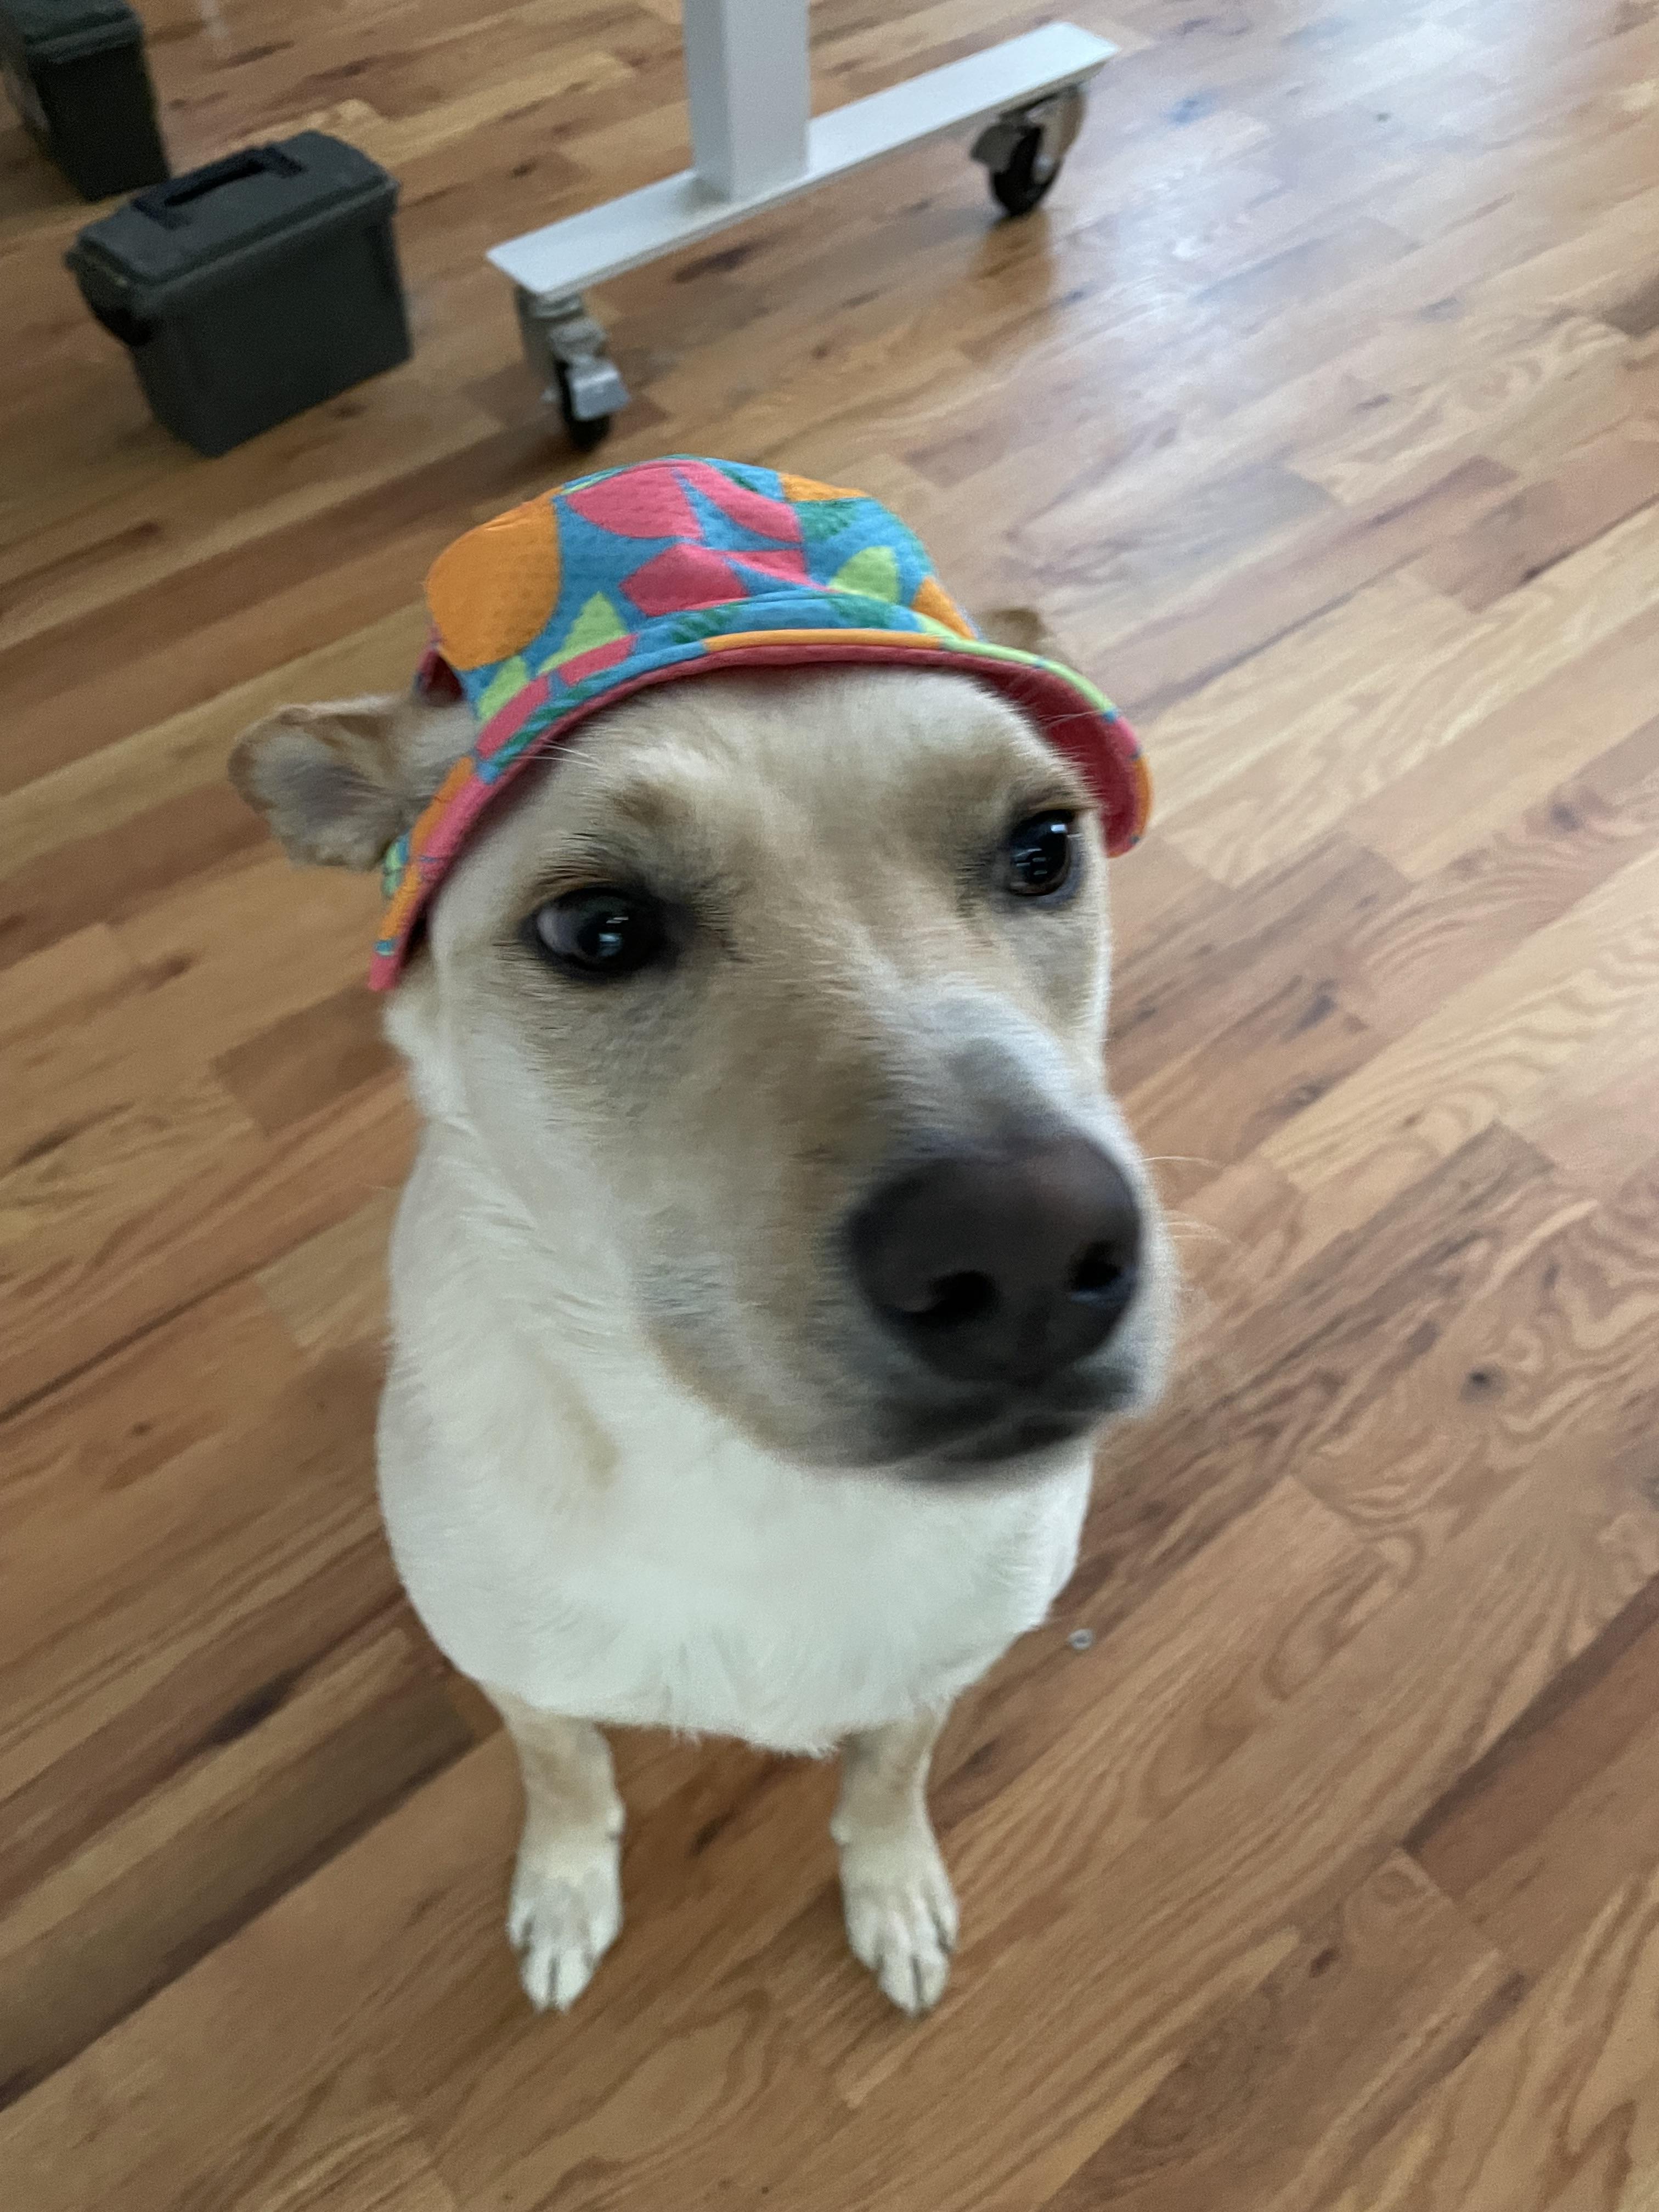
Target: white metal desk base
755, 145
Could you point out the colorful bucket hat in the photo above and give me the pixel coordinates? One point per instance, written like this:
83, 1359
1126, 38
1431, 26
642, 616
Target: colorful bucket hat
672, 568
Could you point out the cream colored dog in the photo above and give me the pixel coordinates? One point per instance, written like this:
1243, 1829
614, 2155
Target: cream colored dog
775, 1252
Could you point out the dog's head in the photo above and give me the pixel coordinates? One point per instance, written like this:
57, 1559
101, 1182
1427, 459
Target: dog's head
776, 1004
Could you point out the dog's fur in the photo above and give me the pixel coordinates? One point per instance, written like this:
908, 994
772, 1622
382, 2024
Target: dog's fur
646, 1455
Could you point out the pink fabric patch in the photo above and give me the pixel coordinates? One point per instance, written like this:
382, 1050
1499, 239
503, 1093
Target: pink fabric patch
511, 719
752, 510
683, 576
642, 502
789, 566
596, 658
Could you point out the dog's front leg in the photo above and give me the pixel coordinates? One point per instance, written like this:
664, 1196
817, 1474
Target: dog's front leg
901, 1910
567, 1889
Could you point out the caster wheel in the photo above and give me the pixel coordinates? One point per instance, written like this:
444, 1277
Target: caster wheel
584, 432
1025, 178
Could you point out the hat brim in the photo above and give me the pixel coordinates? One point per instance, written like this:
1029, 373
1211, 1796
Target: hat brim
1083, 728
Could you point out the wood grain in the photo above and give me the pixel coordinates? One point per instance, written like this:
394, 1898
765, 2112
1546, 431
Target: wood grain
1309, 1856
1560, 2107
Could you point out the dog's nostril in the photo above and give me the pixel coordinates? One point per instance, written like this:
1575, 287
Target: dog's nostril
956, 1300
1100, 1276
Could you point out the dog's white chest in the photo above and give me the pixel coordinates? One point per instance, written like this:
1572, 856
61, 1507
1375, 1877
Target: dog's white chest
712, 1590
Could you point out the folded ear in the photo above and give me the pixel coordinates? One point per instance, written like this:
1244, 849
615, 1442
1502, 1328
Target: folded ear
1022, 628
338, 782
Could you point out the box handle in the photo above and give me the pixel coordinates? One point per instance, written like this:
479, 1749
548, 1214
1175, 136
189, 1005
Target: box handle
168, 204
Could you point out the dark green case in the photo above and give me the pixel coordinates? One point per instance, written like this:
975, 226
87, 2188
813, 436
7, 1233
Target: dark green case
76, 73
252, 289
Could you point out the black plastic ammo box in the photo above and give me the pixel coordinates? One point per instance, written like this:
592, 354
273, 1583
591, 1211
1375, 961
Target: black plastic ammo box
248, 290
74, 71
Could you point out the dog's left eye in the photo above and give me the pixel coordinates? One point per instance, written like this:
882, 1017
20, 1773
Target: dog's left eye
1040, 856
598, 934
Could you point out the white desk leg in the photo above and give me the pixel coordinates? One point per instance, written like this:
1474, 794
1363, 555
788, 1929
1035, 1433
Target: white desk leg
747, 84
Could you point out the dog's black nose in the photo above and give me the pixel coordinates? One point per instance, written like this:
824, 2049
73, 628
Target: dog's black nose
1005, 1269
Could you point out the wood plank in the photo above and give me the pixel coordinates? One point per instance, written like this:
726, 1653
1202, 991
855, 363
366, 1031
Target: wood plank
210, 1845
1556, 1353
106, 875
1378, 2002
330, 1292
1195, 1911
1490, 896
254, 2085
1595, 1115
1596, 485
174, 760
184, 959
1314, 572
1482, 1049
1566, 1793
253, 1199
1560, 2107
141, 1405
1568, 372
1174, 1691
1348, 1318
61, 1193
1223, 958
195, 1600
309, 1061
1299, 779
1559, 728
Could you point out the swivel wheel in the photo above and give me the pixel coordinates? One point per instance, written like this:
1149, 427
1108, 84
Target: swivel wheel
566, 349
1023, 181
584, 431
1025, 150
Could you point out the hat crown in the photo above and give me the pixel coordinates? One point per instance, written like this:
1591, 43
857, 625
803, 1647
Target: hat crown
571, 581
669, 569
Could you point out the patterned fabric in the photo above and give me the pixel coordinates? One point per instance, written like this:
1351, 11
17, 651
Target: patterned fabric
672, 568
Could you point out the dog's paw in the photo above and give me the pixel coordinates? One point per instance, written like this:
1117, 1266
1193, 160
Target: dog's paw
564, 1915
901, 1915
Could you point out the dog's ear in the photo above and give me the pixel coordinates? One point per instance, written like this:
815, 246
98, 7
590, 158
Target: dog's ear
338, 782
1022, 628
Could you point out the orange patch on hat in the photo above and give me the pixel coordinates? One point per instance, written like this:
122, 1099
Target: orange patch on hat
801, 488
493, 591
932, 599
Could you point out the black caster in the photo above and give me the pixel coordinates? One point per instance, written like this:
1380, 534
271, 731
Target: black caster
566, 349
584, 431
1025, 150
1024, 180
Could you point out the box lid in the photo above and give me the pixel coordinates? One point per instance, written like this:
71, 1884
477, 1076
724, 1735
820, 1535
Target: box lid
64, 30
220, 222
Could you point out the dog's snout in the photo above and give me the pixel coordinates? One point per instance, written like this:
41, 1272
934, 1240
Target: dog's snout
1004, 1269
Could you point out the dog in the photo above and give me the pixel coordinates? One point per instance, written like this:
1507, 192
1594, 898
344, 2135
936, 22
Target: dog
776, 1253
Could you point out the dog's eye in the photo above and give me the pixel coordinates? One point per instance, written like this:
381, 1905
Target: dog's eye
1039, 856
598, 933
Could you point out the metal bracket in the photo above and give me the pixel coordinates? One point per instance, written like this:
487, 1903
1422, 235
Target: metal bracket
567, 348
1059, 117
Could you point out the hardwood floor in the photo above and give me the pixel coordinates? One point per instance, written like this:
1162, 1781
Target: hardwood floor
1318, 413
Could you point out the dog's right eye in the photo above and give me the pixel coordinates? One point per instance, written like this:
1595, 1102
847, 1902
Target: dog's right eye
598, 934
